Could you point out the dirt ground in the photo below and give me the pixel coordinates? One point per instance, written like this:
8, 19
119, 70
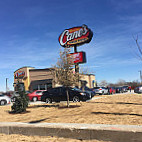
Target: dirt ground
108, 109
21, 138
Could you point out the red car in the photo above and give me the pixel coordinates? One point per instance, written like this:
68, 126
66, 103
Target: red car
112, 90
36, 95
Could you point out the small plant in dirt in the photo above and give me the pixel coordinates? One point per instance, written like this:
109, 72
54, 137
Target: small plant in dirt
21, 101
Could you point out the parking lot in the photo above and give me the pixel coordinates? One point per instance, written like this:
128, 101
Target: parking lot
105, 109
94, 98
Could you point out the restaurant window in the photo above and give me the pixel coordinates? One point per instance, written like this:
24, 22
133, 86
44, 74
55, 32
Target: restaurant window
35, 87
48, 85
42, 86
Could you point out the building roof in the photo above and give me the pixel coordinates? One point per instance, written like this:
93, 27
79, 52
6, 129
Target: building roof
24, 67
41, 69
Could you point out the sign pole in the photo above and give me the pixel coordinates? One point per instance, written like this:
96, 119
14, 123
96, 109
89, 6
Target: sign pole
76, 65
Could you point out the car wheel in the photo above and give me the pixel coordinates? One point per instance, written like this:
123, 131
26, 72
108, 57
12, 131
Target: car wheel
3, 102
102, 93
48, 100
76, 99
34, 99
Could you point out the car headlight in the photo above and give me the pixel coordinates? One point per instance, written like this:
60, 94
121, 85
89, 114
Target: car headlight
82, 94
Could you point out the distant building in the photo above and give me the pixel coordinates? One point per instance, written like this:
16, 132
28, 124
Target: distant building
41, 79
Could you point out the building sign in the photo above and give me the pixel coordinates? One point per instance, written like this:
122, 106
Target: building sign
19, 75
75, 36
79, 57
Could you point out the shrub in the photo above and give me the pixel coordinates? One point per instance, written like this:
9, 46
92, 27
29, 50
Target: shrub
21, 101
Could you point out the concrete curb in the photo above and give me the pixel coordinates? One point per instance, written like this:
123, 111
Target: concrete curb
114, 133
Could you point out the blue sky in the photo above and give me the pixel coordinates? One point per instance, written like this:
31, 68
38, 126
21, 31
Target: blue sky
29, 32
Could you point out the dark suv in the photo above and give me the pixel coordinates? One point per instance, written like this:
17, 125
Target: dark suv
59, 94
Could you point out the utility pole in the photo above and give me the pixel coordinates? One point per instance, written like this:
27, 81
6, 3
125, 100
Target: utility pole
140, 76
6, 85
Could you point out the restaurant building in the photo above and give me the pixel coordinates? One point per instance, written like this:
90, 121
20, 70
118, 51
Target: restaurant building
42, 79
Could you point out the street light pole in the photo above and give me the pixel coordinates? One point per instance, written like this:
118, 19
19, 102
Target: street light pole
6, 85
140, 76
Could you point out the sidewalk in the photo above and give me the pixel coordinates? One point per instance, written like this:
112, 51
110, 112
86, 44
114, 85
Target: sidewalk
114, 133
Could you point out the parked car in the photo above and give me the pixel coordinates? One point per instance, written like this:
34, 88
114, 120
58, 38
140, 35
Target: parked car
88, 90
36, 95
88, 93
119, 90
4, 99
138, 89
112, 90
16, 94
59, 94
9, 94
100, 90
125, 88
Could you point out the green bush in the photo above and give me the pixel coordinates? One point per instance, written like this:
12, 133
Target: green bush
21, 102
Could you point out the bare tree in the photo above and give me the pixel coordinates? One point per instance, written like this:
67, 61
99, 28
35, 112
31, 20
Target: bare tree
103, 83
121, 82
63, 73
85, 70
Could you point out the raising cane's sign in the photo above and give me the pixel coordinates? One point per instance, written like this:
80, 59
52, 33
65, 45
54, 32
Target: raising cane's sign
75, 36
78, 57
19, 74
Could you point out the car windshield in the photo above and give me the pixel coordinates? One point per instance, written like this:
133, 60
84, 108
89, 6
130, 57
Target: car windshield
125, 86
119, 87
103, 87
38, 91
76, 89
15, 92
96, 87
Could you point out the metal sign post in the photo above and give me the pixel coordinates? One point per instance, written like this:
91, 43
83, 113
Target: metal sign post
76, 65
